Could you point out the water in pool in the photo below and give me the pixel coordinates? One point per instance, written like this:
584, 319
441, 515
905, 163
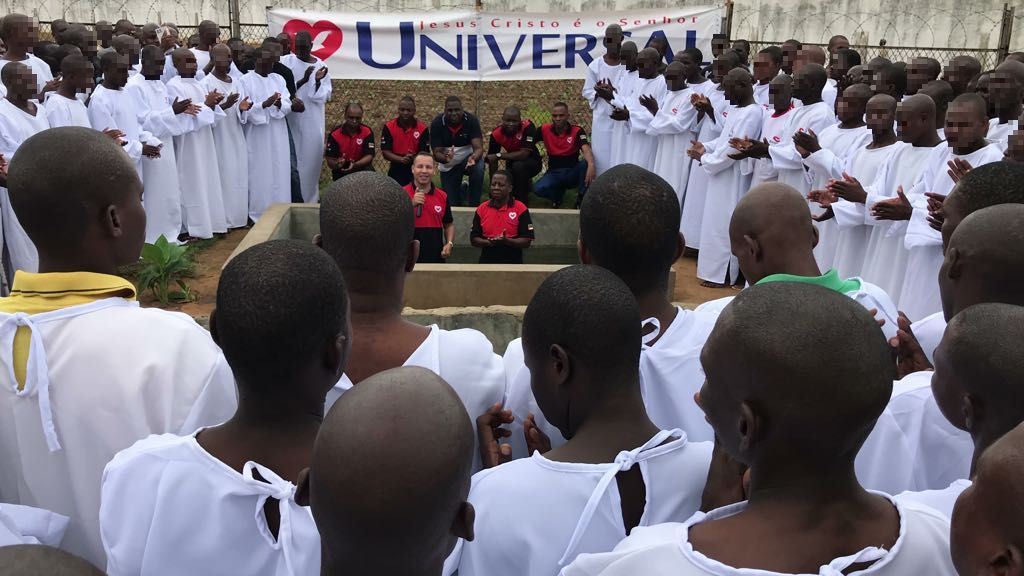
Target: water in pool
535, 255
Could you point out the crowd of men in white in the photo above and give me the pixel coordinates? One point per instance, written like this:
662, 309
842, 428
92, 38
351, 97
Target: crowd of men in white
800, 427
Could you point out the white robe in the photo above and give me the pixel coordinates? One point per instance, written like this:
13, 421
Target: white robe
232, 155
61, 111
941, 453
116, 109
307, 128
198, 171
16, 126
160, 373
579, 504
28, 525
920, 295
785, 158
642, 147
146, 488
885, 259
929, 331
852, 241
922, 547
162, 196
941, 500
673, 127
761, 95
775, 130
266, 138
465, 360
620, 128
999, 133
697, 181
728, 181
829, 163
601, 126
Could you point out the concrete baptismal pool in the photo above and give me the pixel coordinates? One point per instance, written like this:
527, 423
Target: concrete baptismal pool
461, 293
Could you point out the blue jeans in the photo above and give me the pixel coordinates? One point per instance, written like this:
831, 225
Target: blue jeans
451, 183
554, 183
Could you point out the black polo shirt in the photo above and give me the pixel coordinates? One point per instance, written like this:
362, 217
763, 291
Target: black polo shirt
445, 135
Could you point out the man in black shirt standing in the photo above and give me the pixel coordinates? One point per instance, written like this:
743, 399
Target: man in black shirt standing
515, 142
457, 145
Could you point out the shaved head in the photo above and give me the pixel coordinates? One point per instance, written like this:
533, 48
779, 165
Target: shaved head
973, 102
388, 491
980, 355
780, 402
919, 104
984, 259
1014, 69
770, 228
35, 559
987, 527
629, 224
366, 224
60, 209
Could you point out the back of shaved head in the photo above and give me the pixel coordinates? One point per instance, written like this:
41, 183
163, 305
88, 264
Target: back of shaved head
814, 55
35, 559
366, 223
57, 206
989, 185
390, 472
771, 229
982, 349
818, 407
629, 222
987, 251
815, 75
971, 64
919, 104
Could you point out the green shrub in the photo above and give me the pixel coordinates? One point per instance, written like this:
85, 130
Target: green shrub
162, 267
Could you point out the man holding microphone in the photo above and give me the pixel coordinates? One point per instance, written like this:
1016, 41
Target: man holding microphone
435, 229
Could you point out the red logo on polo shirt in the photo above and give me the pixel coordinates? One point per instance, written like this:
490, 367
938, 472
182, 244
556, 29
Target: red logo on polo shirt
569, 140
437, 208
416, 134
359, 141
512, 215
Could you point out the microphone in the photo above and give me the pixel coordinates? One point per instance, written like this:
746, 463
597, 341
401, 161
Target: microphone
419, 210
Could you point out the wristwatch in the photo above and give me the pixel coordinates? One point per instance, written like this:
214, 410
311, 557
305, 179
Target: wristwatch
498, 156
450, 243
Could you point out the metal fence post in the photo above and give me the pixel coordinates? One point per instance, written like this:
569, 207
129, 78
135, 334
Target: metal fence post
727, 19
234, 19
1005, 31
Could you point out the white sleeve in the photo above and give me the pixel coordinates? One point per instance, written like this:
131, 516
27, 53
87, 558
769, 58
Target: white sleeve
589, 94
101, 119
127, 509
217, 400
286, 101
322, 95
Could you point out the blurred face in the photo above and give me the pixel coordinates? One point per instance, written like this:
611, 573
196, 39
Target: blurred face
193, 41
500, 188
58, 28
789, 53
917, 75
612, 41
152, 64
849, 108
149, 37
453, 112
560, 117
660, 45
185, 64
169, 41
209, 33
856, 75
423, 170
221, 57
406, 111
742, 49
21, 84
82, 79
303, 46
134, 48
647, 63
910, 126
720, 69
1003, 91
880, 116
764, 68
801, 86
956, 74
353, 118
674, 78
88, 45
965, 127
117, 73
26, 33
237, 51
510, 123
780, 95
628, 54
838, 44
286, 42
105, 32
719, 45
691, 67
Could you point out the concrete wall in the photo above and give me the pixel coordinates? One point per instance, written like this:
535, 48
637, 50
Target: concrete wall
939, 23
445, 285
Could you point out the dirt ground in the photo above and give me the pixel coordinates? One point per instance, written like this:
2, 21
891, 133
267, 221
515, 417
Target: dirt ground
209, 261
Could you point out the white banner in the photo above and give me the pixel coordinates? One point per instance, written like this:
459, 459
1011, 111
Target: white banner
484, 45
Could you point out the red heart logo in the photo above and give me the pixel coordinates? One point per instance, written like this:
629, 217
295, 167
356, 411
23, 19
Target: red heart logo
331, 42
